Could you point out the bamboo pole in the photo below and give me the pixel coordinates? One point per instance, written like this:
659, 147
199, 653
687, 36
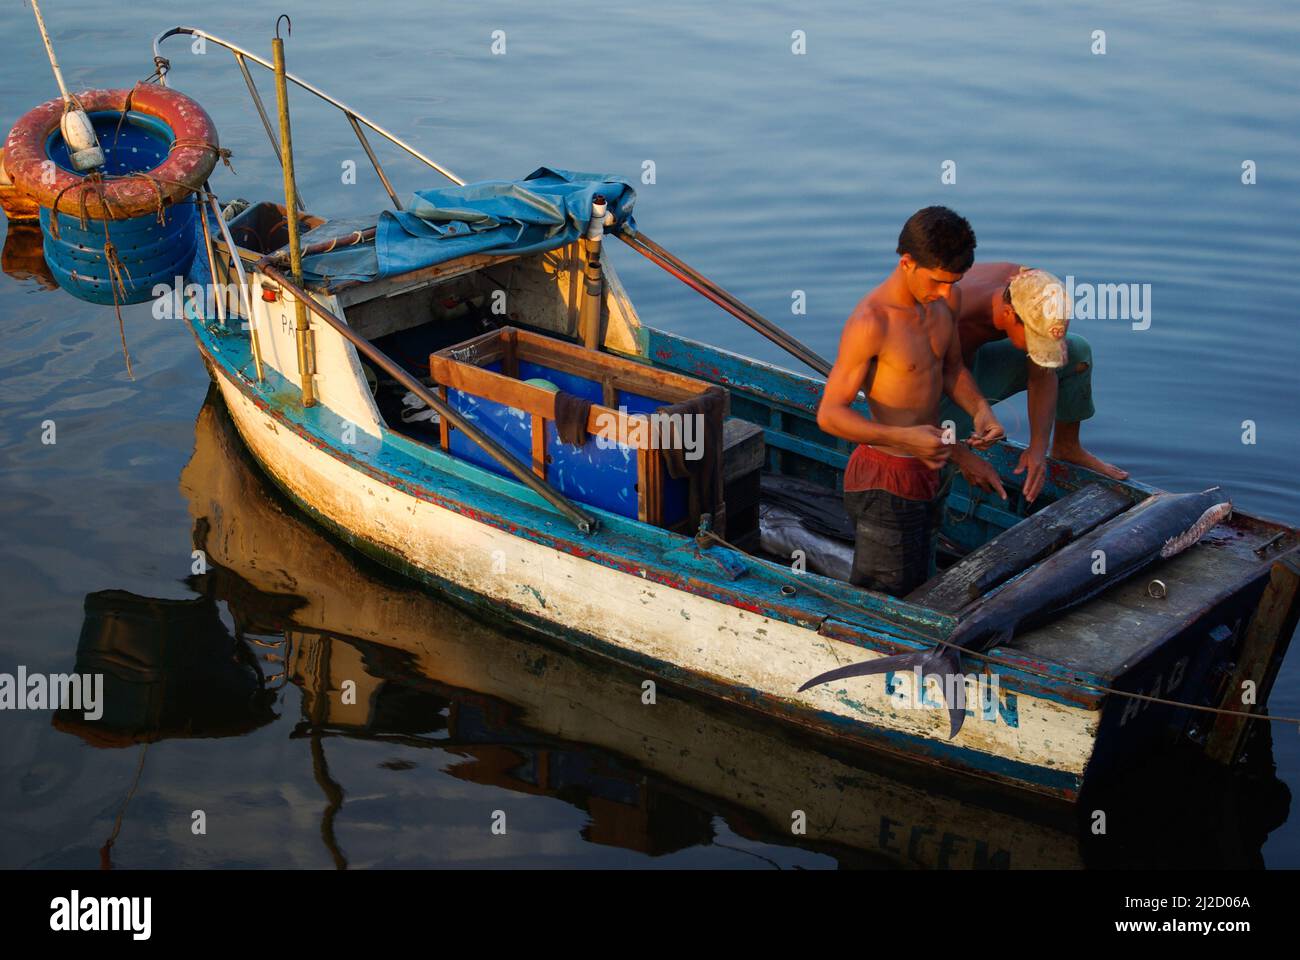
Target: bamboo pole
593, 286
302, 327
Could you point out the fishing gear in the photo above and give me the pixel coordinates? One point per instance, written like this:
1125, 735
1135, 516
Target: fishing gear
84, 150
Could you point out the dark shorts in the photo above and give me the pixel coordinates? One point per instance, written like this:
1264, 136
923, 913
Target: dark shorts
1000, 372
895, 539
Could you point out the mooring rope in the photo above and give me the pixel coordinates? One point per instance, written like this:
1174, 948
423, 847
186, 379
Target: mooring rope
705, 537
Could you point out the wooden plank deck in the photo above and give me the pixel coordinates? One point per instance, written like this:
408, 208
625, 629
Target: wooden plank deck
1112, 633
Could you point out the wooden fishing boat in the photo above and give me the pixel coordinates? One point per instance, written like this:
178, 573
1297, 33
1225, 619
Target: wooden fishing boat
490, 508
281, 602
505, 709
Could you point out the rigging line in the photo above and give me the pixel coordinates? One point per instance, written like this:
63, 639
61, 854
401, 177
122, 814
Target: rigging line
1042, 675
105, 852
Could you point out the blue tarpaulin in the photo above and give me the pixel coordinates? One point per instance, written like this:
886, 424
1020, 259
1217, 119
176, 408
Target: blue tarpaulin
546, 209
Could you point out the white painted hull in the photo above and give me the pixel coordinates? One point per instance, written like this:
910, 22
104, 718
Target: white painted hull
634, 620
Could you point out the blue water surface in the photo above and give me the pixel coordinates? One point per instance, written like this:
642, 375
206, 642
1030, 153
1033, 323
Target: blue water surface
783, 175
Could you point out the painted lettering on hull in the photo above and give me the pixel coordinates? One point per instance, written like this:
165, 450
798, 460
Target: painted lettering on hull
985, 698
1160, 687
931, 847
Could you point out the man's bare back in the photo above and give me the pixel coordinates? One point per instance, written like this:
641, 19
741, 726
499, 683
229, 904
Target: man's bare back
984, 315
980, 287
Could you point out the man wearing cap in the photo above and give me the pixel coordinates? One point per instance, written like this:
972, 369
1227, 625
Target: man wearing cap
1014, 327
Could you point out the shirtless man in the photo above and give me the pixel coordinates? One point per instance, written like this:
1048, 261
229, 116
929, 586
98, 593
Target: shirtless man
1014, 323
900, 347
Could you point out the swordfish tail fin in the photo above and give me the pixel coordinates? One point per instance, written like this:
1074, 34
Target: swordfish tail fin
945, 664
1208, 520
898, 662
941, 662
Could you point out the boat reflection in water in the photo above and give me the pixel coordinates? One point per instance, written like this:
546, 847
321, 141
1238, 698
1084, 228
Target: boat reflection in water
23, 257
379, 660
171, 669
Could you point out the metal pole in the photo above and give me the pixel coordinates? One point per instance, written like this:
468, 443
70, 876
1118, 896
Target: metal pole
315, 91
212, 263
302, 328
637, 241
261, 112
585, 522
374, 161
711, 291
245, 293
49, 49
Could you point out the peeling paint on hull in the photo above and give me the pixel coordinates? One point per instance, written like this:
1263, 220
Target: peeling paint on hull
728, 650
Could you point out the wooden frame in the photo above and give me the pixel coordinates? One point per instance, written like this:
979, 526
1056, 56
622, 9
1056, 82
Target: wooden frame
460, 367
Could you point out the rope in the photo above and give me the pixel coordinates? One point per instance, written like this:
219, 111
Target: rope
972, 502
96, 181
116, 268
118, 273
106, 851
703, 539
160, 67
346, 240
222, 153
121, 118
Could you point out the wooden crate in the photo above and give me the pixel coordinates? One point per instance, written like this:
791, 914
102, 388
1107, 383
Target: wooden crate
743, 457
620, 467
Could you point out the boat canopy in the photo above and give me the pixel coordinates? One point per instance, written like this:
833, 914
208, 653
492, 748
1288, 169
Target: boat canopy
545, 210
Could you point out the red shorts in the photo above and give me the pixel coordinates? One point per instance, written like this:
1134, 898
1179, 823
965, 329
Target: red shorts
907, 477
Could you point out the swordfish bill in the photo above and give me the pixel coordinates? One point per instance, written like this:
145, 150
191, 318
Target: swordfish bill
1163, 525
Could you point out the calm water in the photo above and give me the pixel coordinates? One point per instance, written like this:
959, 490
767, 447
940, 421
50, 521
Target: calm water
775, 173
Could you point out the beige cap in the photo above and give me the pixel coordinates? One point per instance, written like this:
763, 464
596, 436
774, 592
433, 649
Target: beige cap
1039, 300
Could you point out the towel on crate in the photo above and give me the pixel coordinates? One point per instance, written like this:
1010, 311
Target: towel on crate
571, 418
705, 469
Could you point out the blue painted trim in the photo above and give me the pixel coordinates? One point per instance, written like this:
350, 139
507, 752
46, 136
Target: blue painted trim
633, 548
622, 543
1056, 783
807, 448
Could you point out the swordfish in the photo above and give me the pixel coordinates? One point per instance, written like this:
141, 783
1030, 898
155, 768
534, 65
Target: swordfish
1163, 525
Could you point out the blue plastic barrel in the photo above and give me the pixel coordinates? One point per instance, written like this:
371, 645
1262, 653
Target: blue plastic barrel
151, 252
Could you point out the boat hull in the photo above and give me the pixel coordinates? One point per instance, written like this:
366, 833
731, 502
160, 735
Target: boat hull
677, 636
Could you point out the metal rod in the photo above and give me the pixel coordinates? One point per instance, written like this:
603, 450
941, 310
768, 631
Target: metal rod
391, 138
212, 264
637, 241
261, 112
244, 291
302, 326
374, 161
711, 291
49, 49
585, 522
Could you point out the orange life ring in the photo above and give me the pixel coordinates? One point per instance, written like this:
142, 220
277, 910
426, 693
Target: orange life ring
187, 166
